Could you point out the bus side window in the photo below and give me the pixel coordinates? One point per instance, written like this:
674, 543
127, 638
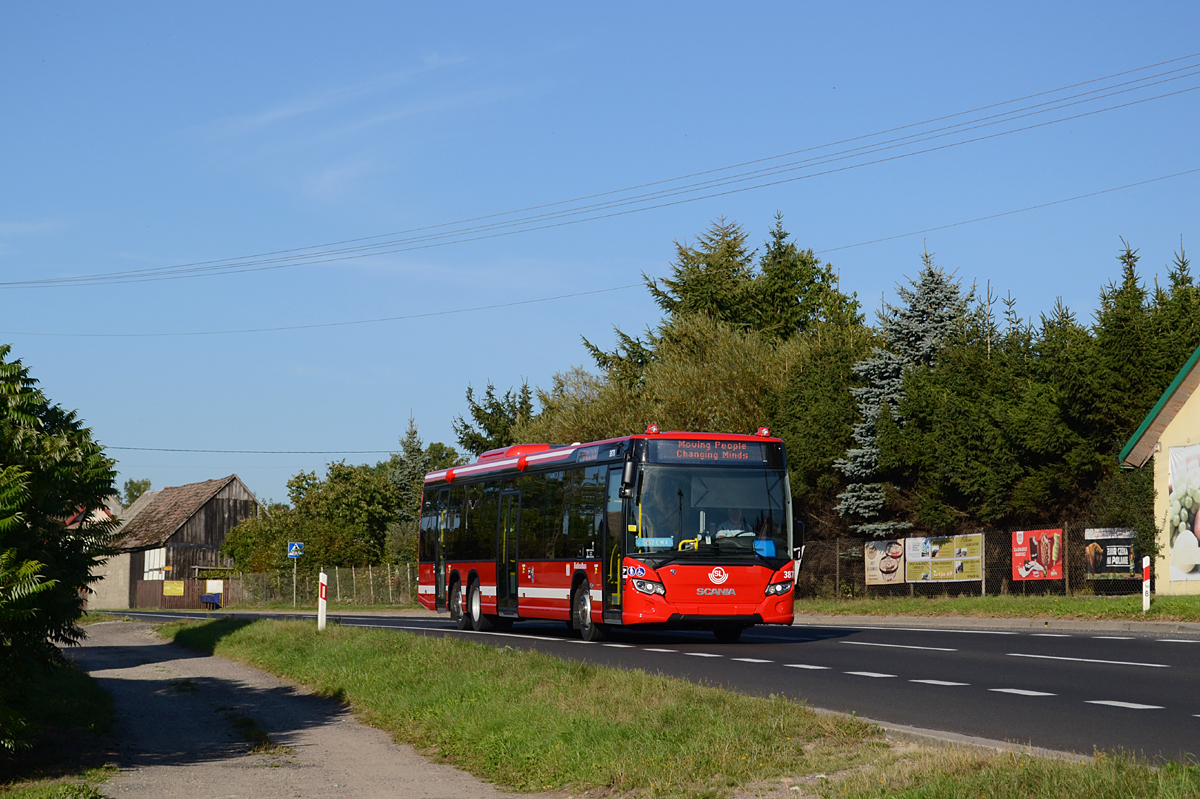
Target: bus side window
614, 506
457, 546
553, 543
533, 495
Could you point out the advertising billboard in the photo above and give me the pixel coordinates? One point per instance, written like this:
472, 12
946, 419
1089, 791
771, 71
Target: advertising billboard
884, 562
944, 559
1037, 554
1183, 498
1108, 554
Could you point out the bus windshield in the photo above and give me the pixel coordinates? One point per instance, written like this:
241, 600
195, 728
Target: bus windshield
710, 513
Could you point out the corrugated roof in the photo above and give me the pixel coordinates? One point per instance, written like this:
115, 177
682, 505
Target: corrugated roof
164, 512
1140, 446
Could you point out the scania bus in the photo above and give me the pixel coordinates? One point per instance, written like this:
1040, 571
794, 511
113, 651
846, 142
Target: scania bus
677, 529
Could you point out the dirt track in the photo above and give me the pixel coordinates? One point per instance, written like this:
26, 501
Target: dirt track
177, 733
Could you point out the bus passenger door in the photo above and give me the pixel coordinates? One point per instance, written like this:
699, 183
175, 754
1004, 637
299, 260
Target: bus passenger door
613, 552
507, 533
439, 553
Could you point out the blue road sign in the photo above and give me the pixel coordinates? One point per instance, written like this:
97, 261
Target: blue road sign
295, 549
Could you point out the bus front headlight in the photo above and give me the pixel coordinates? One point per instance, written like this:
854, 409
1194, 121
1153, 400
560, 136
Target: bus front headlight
649, 587
775, 589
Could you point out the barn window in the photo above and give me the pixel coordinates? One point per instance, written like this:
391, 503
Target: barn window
156, 559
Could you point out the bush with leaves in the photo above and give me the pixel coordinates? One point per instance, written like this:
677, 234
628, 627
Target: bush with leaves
51, 470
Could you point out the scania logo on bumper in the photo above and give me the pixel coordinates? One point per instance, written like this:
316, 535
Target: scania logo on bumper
718, 575
715, 592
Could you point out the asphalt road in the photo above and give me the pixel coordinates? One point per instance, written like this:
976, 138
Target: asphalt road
1071, 692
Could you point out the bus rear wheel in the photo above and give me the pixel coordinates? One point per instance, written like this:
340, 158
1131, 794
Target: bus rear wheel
581, 614
728, 633
461, 621
480, 622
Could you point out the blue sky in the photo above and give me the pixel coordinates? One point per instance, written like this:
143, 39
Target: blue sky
142, 136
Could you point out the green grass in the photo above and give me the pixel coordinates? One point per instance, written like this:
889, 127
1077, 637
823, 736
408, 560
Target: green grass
1094, 608
531, 722
68, 712
82, 786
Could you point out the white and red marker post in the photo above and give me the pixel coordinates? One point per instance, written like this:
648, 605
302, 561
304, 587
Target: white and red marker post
322, 593
1145, 584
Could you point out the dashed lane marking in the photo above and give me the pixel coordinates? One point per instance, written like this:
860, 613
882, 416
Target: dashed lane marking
1090, 660
1113, 637
619, 646
752, 660
1050, 635
940, 682
1129, 705
661, 650
806, 666
902, 646
1178, 640
1020, 692
702, 654
869, 674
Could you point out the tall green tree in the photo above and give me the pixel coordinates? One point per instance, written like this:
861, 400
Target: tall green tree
933, 310
493, 418
134, 489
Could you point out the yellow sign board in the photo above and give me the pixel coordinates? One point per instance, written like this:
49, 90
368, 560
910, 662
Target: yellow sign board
172, 587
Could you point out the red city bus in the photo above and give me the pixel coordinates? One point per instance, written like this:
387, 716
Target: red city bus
686, 530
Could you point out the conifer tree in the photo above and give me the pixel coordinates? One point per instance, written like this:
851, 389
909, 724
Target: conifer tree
932, 311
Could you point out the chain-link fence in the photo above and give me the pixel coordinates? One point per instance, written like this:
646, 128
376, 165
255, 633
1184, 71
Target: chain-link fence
389, 584
839, 568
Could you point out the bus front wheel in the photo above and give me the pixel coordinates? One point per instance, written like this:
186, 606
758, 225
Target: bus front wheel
456, 607
581, 614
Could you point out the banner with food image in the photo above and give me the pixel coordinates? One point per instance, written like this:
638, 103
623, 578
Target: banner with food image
884, 562
1183, 500
944, 559
1037, 554
1109, 554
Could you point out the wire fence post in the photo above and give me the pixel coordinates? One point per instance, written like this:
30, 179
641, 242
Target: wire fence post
390, 600
1066, 562
837, 569
337, 578
983, 564
353, 585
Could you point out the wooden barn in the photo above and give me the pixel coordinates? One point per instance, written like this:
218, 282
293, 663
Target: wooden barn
170, 535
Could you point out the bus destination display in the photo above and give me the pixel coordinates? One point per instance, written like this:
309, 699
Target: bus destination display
748, 453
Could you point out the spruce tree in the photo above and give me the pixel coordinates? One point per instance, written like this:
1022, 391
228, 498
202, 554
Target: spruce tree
933, 310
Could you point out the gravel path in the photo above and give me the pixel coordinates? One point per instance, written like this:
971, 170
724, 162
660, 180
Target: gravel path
181, 718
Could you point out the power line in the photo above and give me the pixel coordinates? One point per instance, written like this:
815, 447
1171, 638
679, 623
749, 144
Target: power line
317, 254
516, 303
261, 451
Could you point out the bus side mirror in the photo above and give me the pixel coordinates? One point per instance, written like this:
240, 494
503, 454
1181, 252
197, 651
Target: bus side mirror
798, 555
628, 480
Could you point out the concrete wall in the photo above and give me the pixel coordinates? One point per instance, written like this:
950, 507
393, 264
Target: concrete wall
1183, 431
112, 591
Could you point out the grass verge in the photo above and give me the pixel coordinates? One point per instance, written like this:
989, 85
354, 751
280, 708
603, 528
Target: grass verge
68, 712
531, 722
1085, 608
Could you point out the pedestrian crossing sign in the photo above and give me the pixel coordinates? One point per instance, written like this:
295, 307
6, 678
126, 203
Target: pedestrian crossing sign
295, 549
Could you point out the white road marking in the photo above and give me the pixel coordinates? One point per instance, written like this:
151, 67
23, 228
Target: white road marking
1090, 660
869, 674
901, 646
806, 666
940, 682
752, 660
1020, 692
580, 641
702, 654
1050, 635
619, 646
1178, 640
661, 650
909, 629
1113, 637
1130, 705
